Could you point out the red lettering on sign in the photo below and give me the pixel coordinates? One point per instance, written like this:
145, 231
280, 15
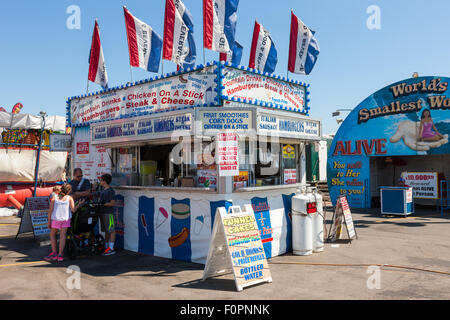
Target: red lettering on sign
344, 148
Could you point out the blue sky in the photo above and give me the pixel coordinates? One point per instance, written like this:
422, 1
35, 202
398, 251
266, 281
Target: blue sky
43, 62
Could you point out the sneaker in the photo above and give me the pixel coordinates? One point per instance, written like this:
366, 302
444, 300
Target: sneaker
51, 257
108, 252
60, 258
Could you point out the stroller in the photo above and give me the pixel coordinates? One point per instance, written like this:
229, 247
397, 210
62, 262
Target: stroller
82, 228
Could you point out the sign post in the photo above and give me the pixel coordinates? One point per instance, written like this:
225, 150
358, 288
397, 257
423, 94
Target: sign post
342, 214
236, 247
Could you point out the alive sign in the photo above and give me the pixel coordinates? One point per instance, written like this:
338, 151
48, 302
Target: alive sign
345, 148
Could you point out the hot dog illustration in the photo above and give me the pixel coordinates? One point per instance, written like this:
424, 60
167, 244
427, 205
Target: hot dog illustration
180, 229
179, 239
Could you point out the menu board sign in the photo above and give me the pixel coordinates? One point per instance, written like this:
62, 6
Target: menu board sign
155, 127
176, 92
35, 216
259, 89
342, 214
236, 247
93, 160
214, 121
295, 127
290, 176
228, 154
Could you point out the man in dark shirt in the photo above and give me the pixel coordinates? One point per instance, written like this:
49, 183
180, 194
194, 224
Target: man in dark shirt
107, 217
81, 188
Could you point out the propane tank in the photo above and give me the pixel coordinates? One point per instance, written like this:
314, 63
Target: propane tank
302, 243
317, 223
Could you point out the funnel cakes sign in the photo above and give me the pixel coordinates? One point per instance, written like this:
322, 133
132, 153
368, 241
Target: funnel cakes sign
407, 118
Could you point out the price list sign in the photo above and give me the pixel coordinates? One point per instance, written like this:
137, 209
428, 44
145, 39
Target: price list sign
35, 217
228, 154
236, 247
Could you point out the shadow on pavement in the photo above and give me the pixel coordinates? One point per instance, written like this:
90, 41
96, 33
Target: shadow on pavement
126, 263
209, 284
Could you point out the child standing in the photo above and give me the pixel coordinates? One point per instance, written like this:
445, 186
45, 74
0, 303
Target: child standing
59, 215
107, 219
56, 191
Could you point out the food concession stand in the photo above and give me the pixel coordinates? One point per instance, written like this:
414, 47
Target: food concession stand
159, 139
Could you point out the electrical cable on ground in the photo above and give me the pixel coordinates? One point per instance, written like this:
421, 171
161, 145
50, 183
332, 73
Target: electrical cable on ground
363, 265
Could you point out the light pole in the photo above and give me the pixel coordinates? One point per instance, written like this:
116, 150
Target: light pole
36, 172
338, 113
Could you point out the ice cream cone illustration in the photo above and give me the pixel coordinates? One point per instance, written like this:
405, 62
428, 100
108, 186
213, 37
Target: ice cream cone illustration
198, 224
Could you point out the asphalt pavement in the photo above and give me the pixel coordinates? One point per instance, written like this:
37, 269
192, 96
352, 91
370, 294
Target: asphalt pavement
393, 258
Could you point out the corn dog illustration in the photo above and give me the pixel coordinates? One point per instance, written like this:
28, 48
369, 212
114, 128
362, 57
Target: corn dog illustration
144, 224
147, 218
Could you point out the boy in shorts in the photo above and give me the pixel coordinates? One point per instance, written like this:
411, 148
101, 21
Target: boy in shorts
107, 217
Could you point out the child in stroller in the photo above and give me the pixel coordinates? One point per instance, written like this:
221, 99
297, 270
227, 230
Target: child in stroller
81, 237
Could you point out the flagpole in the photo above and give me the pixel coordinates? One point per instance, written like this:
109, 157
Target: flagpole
89, 67
290, 18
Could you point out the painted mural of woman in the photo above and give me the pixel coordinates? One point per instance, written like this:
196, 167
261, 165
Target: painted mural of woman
427, 129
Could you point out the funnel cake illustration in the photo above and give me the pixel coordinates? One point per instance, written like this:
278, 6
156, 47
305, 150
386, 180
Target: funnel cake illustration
409, 132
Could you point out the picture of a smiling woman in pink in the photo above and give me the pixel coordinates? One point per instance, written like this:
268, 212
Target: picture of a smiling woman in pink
427, 129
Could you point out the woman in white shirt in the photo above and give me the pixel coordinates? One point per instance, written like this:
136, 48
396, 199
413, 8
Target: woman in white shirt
59, 215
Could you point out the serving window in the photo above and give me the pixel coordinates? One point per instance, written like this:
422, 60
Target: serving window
125, 166
277, 164
194, 165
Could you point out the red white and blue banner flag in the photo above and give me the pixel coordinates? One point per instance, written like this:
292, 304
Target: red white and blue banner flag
235, 56
144, 43
219, 24
97, 67
178, 33
263, 55
303, 48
